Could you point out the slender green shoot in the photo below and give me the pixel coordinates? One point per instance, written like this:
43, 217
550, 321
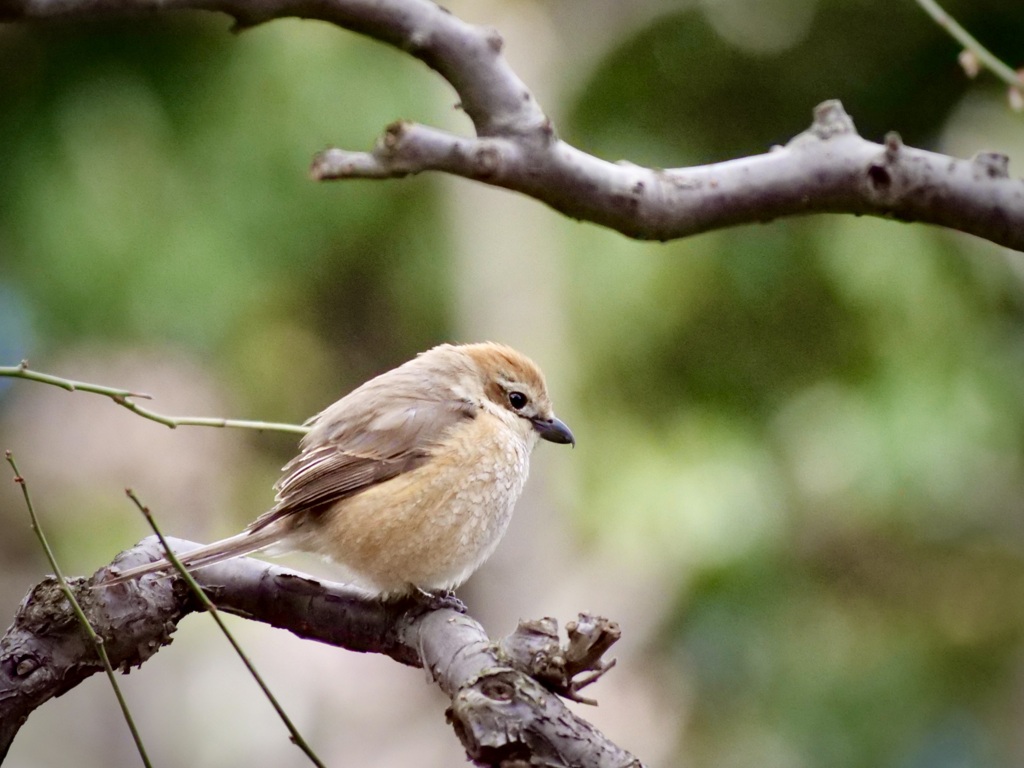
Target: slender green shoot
126, 399
993, 63
97, 641
296, 737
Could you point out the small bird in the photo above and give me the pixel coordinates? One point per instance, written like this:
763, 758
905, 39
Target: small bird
409, 481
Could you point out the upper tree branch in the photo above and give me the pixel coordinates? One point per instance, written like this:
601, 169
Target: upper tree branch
499, 710
826, 169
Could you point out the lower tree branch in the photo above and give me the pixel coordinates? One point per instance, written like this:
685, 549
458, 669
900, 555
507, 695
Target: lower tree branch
499, 710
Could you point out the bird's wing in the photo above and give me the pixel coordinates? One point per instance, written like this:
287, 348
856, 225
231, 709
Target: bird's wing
321, 476
384, 428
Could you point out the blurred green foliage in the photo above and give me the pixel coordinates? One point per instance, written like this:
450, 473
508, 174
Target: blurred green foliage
679, 88
815, 426
157, 191
832, 409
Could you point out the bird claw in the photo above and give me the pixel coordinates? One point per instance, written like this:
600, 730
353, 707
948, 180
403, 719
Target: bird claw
440, 600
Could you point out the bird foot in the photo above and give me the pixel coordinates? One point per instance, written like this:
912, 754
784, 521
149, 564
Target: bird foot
436, 601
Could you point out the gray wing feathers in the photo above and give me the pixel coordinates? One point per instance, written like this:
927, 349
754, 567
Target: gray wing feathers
325, 475
401, 408
386, 427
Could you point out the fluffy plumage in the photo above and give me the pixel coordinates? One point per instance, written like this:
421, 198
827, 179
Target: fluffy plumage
409, 481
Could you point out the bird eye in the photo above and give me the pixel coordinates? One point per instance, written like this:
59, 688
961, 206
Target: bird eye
517, 400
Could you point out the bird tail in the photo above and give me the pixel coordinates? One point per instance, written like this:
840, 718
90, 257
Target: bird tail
244, 543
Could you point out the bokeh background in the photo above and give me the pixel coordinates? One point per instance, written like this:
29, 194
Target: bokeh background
799, 483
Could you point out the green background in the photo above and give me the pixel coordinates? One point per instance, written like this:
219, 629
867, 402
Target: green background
811, 432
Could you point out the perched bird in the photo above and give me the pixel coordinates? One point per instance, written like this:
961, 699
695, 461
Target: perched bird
408, 482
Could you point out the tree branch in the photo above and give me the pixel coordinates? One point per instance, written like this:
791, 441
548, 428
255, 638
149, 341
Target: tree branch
499, 709
826, 169
126, 399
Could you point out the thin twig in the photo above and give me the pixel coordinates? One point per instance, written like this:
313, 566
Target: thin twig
296, 737
126, 399
97, 641
992, 62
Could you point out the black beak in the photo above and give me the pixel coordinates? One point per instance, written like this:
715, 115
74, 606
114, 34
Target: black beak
554, 430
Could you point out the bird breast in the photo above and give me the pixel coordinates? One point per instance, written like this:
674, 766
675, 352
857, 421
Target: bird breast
433, 526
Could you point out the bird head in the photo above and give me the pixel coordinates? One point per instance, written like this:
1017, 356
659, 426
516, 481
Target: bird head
514, 386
